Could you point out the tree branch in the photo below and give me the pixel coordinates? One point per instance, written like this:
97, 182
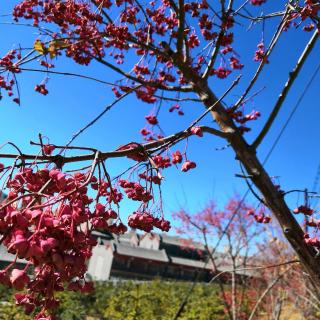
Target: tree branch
272, 196
214, 54
271, 285
273, 42
180, 36
292, 77
141, 81
254, 268
93, 121
113, 154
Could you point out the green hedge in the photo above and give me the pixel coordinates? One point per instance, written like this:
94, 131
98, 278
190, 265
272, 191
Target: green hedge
129, 301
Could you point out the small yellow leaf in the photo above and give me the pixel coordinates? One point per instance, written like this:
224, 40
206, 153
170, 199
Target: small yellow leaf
38, 46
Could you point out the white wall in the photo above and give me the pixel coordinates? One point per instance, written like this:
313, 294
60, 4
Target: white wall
100, 263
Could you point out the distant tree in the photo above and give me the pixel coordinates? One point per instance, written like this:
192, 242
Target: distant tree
255, 268
230, 241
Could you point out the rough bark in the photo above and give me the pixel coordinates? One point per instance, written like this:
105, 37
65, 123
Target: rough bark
260, 178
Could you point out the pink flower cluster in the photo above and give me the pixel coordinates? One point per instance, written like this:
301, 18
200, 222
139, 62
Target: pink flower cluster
146, 222
48, 219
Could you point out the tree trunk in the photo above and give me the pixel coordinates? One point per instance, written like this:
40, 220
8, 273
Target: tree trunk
272, 197
234, 295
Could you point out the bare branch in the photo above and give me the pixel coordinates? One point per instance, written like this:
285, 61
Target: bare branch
92, 122
254, 268
260, 18
180, 36
172, 139
214, 54
273, 42
292, 77
69, 74
271, 285
141, 81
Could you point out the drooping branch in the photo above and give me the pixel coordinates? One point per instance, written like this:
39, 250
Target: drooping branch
77, 75
69, 74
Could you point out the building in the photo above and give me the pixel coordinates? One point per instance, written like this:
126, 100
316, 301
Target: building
146, 256
136, 256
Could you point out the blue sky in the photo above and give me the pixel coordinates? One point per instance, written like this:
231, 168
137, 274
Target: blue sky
73, 102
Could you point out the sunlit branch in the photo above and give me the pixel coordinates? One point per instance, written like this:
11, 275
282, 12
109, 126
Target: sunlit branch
114, 154
292, 77
180, 36
141, 81
273, 42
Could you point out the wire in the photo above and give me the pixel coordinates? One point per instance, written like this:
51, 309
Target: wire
304, 92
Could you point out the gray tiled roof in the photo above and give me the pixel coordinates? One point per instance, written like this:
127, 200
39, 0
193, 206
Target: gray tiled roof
127, 237
142, 253
222, 266
174, 240
240, 270
191, 263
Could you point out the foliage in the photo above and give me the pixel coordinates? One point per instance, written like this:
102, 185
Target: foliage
271, 261
8, 308
128, 301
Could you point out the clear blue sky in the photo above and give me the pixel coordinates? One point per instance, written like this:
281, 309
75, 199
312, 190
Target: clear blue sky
73, 102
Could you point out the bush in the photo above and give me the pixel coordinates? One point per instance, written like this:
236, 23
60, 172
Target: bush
130, 301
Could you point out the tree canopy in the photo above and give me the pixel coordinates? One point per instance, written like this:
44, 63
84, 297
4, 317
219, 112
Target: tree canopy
164, 53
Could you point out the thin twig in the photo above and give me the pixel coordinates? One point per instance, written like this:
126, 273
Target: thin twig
68, 74
141, 81
271, 285
255, 268
273, 42
106, 109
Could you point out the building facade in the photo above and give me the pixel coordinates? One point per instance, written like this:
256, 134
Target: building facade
142, 257
146, 256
